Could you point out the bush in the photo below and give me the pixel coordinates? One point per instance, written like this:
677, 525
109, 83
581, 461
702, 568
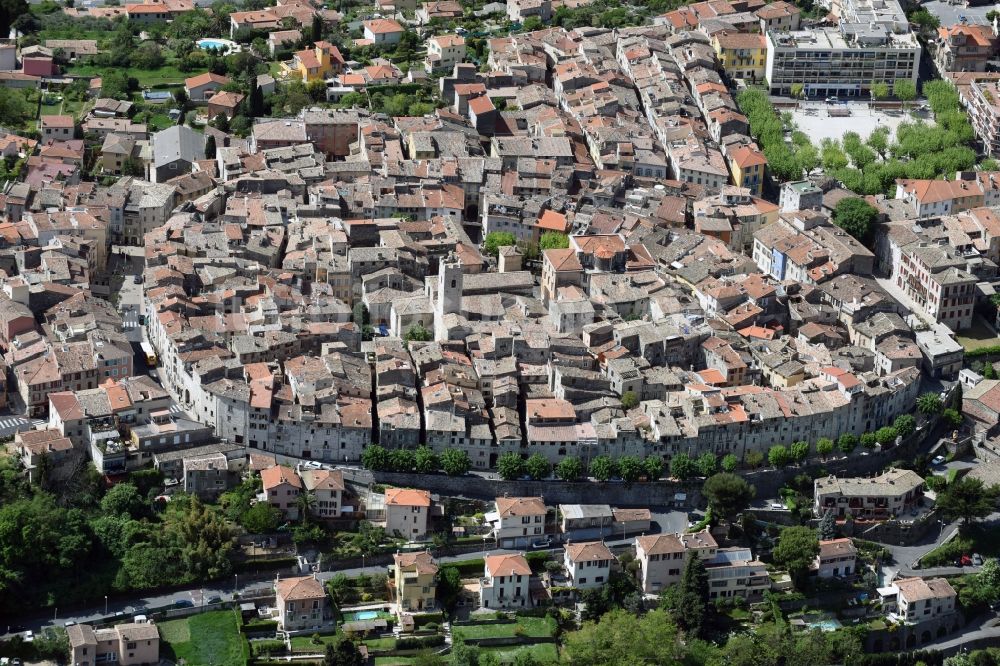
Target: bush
254, 626
267, 647
419, 642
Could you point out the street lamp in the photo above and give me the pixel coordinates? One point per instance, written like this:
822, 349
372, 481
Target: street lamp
236, 584
484, 545
105, 604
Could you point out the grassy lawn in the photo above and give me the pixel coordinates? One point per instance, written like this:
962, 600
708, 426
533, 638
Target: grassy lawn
395, 661
529, 626
160, 121
204, 639
305, 643
978, 335
165, 75
380, 643
544, 653
49, 109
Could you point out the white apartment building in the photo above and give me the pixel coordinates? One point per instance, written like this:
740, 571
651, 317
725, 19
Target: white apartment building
505, 582
662, 557
837, 557
983, 104
873, 43
935, 277
444, 52
407, 512
915, 600
517, 521
588, 564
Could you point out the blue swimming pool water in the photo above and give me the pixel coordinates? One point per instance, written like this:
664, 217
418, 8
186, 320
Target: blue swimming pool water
825, 625
211, 44
360, 615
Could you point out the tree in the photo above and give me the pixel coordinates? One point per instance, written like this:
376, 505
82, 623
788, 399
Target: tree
654, 467
824, 446
989, 372
417, 333
375, 458
754, 459
537, 467
886, 435
847, 443
629, 400
221, 122
956, 396
857, 217
132, 166
630, 468
316, 30
425, 461
798, 90
967, 499
728, 495
730, 462
869, 440
879, 90
708, 464
779, 456
621, 638
553, 240
463, 654
449, 586
904, 90
510, 466
401, 460
123, 499
797, 548
455, 462
180, 98
827, 526
926, 22
683, 467
799, 452
255, 103
929, 404
692, 601
952, 417
569, 469
602, 468
261, 518
497, 239
210, 147
905, 425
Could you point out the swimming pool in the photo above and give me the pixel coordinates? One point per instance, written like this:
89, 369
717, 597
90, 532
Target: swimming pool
219, 45
360, 615
825, 625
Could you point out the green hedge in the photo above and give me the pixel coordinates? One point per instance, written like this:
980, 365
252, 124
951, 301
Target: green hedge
983, 351
419, 642
267, 647
259, 625
430, 618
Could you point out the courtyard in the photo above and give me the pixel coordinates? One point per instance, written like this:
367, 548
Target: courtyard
813, 118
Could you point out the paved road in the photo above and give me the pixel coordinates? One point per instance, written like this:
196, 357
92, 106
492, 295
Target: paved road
12, 423
988, 630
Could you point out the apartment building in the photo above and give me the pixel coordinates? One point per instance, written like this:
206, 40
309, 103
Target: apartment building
982, 96
935, 277
588, 564
281, 488
916, 600
414, 580
742, 54
733, 572
506, 582
131, 644
837, 557
662, 557
870, 45
879, 497
964, 48
302, 604
517, 521
407, 512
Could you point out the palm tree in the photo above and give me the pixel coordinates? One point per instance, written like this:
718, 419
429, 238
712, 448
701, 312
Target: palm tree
929, 404
306, 502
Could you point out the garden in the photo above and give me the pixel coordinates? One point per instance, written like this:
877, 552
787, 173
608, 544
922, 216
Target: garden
205, 638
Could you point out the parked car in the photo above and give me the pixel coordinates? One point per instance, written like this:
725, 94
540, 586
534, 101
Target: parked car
938, 460
977, 560
183, 603
965, 561
832, 100
214, 599
137, 279
312, 464
541, 543
69, 623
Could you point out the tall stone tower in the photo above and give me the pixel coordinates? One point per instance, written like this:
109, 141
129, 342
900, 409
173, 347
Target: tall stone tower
449, 294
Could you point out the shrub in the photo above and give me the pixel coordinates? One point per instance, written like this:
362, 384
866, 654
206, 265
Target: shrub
419, 642
267, 647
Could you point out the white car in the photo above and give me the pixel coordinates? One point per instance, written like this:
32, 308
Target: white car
313, 464
938, 460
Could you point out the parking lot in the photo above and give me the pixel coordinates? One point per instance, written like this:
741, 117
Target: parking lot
813, 118
950, 14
